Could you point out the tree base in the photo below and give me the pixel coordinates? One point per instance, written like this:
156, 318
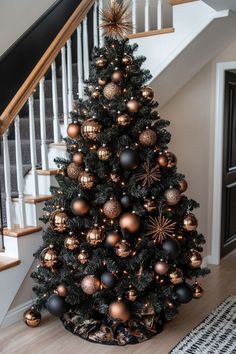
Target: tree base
111, 333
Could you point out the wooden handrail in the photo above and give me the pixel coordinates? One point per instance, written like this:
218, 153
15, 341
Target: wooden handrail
27, 88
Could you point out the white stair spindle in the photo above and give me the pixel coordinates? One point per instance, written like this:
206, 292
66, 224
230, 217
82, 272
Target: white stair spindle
19, 173
147, 15
44, 148
95, 24
56, 127
80, 63
69, 76
85, 49
134, 15
159, 14
64, 89
7, 180
101, 38
33, 155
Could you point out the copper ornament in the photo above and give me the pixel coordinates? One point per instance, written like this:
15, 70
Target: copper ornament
172, 159
161, 267
117, 76
127, 60
101, 62
148, 138
176, 276
79, 206
32, 318
123, 249
183, 185
133, 106
172, 196
123, 119
78, 158
73, 130
102, 82
95, 94
71, 243
112, 238
197, 291
61, 290
147, 93
195, 259
190, 222
58, 221
130, 222
150, 205
74, 170
90, 129
86, 180
111, 90
119, 311
103, 153
49, 258
83, 257
90, 284
159, 228
162, 160
131, 294
112, 209
95, 236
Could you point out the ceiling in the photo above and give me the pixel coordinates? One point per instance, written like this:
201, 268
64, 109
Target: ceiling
222, 4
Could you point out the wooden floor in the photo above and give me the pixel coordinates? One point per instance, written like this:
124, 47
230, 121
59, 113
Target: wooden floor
51, 337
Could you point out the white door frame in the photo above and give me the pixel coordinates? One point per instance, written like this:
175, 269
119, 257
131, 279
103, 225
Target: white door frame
218, 160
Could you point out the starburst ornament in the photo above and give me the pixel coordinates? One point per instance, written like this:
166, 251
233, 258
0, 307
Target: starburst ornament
149, 175
116, 20
159, 228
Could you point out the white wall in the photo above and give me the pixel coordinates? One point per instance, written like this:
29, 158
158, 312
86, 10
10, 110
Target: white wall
17, 16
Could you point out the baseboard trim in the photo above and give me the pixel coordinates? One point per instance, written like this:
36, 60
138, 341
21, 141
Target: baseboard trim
16, 314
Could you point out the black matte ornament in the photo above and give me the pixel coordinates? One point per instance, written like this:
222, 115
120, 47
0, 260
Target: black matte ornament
183, 293
108, 280
129, 159
125, 201
57, 305
171, 247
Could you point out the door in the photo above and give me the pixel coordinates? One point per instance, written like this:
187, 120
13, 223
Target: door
228, 230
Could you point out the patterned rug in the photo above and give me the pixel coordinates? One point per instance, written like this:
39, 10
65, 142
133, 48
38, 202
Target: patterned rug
215, 335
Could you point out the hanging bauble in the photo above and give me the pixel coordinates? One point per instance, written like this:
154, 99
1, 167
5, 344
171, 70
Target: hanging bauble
71, 243
95, 236
73, 130
78, 158
112, 209
172, 159
74, 170
90, 129
119, 311
90, 284
123, 249
161, 267
131, 294
102, 82
114, 177
148, 137
172, 196
147, 93
126, 201
83, 257
171, 247
190, 222
123, 119
195, 259
111, 90
183, 185
57, 305
129, 159
108, 280
197, 291
176, 276
150, 205
183, 293
130, 222
61, 290
58, 221
48, 257
32, 318
117, 76
86, 180
133, 105
112, 238
101, 62
103, 153
79, 206
95, 94
127, 60
162, 160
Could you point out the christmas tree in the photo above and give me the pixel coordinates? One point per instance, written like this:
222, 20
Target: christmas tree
121, 251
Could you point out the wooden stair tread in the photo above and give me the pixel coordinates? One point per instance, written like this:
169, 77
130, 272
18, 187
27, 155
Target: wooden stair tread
50, 172
29, 199
7, 262
151, 33
19, 232
178, 2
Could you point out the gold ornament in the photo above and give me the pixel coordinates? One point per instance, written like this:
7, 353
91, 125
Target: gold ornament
149, 175
150, 205
172, 159
190, 222
119, 311
195, 259
123, 249
48, 257
79, 206
117, 76
71, 243
61, 290
90, 129
159, 228
161, 267
86, 180
147, 93
32, 318
102, 82
183, 185
114, 177
103, 153
162, 160
112, 238
58, 221
101, 62
112, 209
176, 276
131, 294
73, 130
95, 236
127, 60
148, 137
197, 291
123, 119
130, 222
83, 257
78, 158
111, 90
133, 106
95, 94
172, 196
74, 170
90, 284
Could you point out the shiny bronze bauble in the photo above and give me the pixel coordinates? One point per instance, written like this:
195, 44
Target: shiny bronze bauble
73, 130
131, 294
112, 238
58, 221
78, 158
130, 222
123, 119
161, 267
150, 205
49, 258
176, 276
79, 206
133, 106
103, 153
95, 94
172, 159
83, 257
32, 318
197, 291
95, 236
195, 259
117, 76
61, 290
114, 177
119, 311
112, 209
172, 196
102, 82
162, 160
183, 185
74, 170
86, 180
127, 60
111, 90
123, 249
90, 284
190, 222
147, 93
90, 129
148, 138
101, 62
71, 243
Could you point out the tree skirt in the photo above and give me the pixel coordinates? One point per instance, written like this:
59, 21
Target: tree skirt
216, 334
103, 332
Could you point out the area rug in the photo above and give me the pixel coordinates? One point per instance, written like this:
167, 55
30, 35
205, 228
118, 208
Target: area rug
215, 335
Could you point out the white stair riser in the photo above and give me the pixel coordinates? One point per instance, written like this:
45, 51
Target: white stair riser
33, 213
44, 183
56, 150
